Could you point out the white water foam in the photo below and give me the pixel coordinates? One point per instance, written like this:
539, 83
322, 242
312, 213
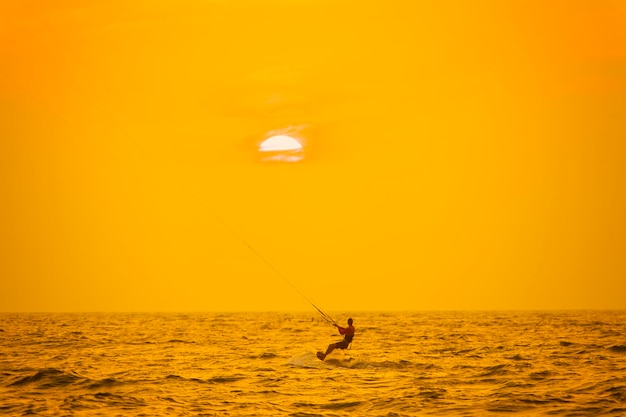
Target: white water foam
339, 357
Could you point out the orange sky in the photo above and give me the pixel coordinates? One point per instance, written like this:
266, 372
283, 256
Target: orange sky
456, 156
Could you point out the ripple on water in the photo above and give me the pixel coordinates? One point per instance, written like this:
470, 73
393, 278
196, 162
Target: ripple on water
454, 364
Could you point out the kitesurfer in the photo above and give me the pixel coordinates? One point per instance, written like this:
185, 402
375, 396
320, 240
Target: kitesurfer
348, 333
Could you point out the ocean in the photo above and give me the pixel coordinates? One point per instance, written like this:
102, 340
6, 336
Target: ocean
569, 363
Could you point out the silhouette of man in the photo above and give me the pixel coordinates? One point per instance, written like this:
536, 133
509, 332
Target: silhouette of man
348, 333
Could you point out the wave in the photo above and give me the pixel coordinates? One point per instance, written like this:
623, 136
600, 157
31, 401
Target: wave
213, 380
101, 400
264, 355
332, 405
496, 370
618, 348
181, 378
104, 383
225, 379
398, 365
49, 378
264, 370
540, 375
340, 405
516, 357
55, 378
346, 361
617, 393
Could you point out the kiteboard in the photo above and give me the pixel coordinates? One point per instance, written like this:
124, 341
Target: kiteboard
339, 357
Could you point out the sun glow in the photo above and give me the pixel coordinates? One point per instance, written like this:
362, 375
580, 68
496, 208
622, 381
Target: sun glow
281, 148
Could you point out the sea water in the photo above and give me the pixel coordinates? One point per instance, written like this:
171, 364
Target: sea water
264, 364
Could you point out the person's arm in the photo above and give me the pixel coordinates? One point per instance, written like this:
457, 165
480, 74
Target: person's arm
342, 330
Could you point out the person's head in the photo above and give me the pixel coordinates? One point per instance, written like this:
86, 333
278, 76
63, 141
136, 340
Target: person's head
349, 322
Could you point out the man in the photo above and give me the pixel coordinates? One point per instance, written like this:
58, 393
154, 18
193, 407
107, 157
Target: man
348, 333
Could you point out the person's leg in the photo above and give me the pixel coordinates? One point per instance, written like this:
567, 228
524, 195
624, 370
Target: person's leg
331, 347
339, 345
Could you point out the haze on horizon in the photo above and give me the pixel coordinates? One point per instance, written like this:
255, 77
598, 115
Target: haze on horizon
454, 156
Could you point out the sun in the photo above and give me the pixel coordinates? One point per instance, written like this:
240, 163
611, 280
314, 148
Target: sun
281, 148
280, 143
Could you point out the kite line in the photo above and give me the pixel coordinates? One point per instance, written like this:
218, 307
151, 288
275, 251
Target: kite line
193, 193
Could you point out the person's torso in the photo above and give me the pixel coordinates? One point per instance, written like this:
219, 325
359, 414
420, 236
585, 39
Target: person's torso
349, 335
